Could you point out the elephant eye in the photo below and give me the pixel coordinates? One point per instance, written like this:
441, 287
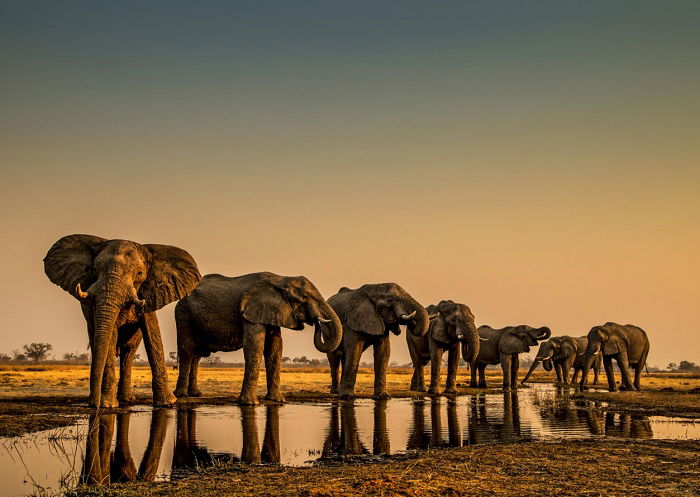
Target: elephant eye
140, 273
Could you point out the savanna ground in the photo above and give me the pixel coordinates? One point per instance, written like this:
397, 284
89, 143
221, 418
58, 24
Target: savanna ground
45, 396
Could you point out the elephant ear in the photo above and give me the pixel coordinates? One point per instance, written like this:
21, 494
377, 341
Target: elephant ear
173, 275
438, 329
613, 345
568, 348
263, 303
512, 343
70, 261
362, 316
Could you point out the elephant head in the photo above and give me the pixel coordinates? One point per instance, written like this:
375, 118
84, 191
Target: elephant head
603, 339
114, 276
377, 308
554, 349
449, 322
519, 339
291, 302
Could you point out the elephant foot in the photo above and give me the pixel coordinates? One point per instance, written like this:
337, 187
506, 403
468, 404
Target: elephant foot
473, 384
277, 398
381, 396
334, 389
612, 389
638, 388
482, 385
247, 399
109, 403
451, 391
194, 392
165, 400
126, 398
180, 393
434, 392
419, 389
346, 396
506, 389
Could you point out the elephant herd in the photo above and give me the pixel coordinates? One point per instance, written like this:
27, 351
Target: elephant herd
120, 284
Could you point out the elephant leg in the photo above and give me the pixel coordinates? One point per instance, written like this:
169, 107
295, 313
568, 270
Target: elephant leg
193, 388
156, 358
156, 438
253, 348
382, 351
506, 363
127, 353
514, 370
568, 364
609, 372
575, 377
273, 364
109, 378
420, 377
638, 371
452, 365
352, 350
558, 370
185, 349
596, 369
334, 362
482, 376
472, 375
623, 364
435, 367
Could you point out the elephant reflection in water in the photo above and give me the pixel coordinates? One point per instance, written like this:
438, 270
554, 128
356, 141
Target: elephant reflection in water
343, 437
102, 468
422, 439
189, 455
483, 430
627, 425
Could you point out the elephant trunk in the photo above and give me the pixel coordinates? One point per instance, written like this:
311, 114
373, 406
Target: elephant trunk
592, 350
547, 364
544, 333
108, 304
535, 363
470, 344
328, 332
418, 317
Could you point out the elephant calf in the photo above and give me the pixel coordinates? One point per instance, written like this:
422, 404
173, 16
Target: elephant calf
451, 326
628, 344
224, 314
562, 353
503, 346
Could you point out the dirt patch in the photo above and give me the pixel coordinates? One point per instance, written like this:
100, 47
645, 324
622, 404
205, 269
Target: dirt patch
604, 467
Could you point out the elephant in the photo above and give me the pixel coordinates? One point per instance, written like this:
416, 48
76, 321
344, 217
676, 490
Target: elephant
503, 346
451, 327
368, 314
120, 284
628, 344
228, 313
101, 468
562, 353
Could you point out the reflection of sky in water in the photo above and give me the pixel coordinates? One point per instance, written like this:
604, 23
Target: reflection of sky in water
303, 429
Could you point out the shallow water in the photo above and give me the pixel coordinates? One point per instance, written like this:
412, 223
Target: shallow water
146, 444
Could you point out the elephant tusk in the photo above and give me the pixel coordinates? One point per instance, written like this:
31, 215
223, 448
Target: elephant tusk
432, 316
484, 339
596, 352
136, 300
80, 293
322, 320
408, 316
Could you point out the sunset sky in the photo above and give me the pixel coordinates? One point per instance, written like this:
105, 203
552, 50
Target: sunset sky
537, 161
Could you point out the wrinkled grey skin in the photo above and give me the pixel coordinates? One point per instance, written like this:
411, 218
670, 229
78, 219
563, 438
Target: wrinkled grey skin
503, 346
224, 314
562, 353
120, 285
368, 314
451, 327
627, 344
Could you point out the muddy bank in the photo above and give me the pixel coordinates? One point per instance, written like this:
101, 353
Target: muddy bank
609, 467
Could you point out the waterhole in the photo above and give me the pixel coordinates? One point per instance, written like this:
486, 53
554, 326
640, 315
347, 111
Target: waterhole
147, 445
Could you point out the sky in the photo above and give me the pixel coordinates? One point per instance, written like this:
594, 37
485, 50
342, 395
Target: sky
537, 161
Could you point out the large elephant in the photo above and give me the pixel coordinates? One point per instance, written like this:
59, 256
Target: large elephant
503, 346
561, 354
628, 344
368, 314
451, 326
120, 284
224, 314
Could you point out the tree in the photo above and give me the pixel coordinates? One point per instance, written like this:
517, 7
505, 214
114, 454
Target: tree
687, 366
4, 357
213, 360
37, 351
285, 360
173, 356
671, 366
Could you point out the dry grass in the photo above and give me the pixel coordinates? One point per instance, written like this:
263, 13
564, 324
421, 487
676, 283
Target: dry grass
590, 468
61, 390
